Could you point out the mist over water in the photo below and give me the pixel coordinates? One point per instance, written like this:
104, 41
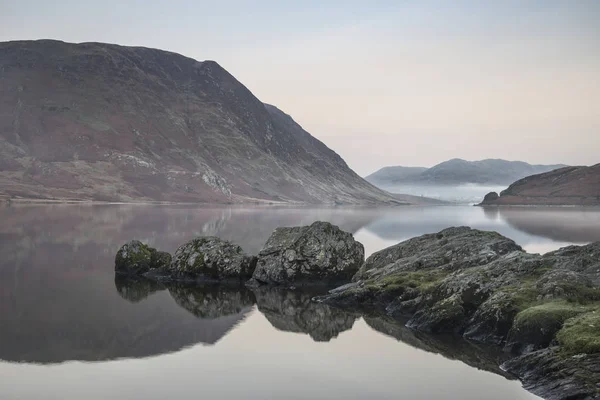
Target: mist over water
69, 326
470, 193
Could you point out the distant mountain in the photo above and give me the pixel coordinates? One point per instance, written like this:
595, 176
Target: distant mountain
98, 121
395, 174
457, 171
565, 186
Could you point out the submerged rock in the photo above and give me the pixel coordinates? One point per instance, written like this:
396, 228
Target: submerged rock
211, 259
317, 254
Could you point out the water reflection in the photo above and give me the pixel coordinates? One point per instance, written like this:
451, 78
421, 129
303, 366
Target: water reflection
486, 358
293, 311
60, 301
213, 301
564, 224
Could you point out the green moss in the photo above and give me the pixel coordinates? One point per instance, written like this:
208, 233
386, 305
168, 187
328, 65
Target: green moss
581, 334
134, 255
547, 316
523, 296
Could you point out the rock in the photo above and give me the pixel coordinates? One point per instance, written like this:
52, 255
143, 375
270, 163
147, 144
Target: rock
536, 327
483, 286
319, 254
211, 259
491, 196
160, 260
135, 258
450, 249
556, 375
492, 321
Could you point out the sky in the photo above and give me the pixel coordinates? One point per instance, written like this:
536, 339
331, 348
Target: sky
382, 83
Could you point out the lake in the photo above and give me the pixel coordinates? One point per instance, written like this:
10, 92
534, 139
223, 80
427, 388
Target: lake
70, 330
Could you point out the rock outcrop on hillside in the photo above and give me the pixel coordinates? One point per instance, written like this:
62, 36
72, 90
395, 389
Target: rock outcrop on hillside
484, 287
96, 121
565, 186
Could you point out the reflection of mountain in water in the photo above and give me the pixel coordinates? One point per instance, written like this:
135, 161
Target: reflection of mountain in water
91, 325
522, 224
293, 311
57, 288
578, 225
403, 224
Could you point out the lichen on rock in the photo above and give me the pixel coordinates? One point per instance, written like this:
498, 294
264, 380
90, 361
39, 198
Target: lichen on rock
210, 258
319, 254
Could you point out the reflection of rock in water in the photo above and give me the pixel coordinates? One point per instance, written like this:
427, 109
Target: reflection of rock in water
213, 301
491, 213
454, 348
293, 311
136, 289
577, 225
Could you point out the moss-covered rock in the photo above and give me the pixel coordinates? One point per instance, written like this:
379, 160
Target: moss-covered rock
535, 327
211, 259
582, 334
483, 286
160, 260
134, 258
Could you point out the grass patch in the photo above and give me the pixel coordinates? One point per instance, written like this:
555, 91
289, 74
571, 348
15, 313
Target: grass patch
581, 334
420, 280
547, 316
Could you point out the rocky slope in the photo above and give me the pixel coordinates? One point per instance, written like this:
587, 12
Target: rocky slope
484, 287
458, 172
104, 122
564, 186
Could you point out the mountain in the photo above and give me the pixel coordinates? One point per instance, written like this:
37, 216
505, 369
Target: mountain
98, 121
395, 174
457, 172
565, 186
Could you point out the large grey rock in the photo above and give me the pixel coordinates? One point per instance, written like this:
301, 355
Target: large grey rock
317, 254
211, 259
451, 249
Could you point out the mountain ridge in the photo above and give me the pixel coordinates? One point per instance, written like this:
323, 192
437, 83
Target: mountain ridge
97, 121
564, 186
457, 171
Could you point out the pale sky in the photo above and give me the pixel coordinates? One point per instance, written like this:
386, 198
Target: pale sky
381, 82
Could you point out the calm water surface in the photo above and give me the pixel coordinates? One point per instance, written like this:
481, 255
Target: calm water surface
69, 330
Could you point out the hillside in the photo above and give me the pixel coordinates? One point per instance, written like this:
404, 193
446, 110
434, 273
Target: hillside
565, 186
458, 172
97, 121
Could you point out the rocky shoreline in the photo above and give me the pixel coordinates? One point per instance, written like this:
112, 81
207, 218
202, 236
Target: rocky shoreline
543, 311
